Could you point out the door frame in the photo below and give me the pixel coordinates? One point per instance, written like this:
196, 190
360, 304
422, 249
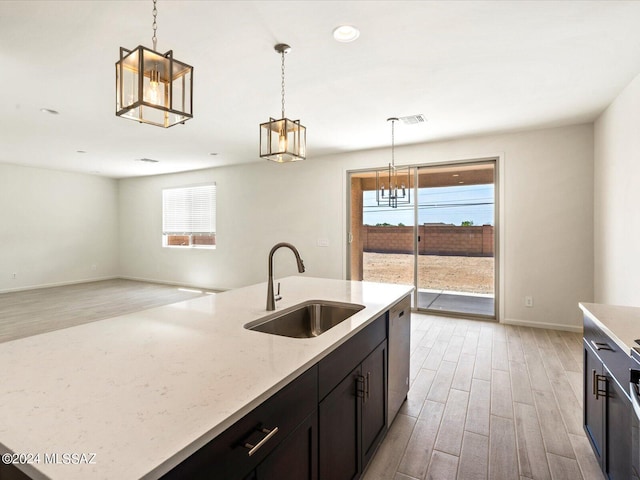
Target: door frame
499, 216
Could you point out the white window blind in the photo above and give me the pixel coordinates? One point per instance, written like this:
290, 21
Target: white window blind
189, 210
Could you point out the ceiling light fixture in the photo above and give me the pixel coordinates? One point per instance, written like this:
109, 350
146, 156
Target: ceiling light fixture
399, 191
283, 140
346, 33
153, 87
49, 111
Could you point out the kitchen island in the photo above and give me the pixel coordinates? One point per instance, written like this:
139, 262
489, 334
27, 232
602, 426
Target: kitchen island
136, 395
611, 380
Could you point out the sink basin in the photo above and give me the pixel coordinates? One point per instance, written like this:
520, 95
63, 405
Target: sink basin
305, 320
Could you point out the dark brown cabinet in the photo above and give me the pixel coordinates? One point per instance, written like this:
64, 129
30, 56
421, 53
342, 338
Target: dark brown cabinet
594, 402
618, 432
607, 408
296, 458
353, 418
339, 415
374, 400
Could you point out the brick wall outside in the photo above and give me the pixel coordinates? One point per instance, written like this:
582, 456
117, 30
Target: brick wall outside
474, 241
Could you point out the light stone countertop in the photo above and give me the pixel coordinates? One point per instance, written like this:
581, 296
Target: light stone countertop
620, 323
145, 390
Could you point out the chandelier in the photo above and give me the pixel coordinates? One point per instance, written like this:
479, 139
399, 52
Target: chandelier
153, 87
283, 140
398, 190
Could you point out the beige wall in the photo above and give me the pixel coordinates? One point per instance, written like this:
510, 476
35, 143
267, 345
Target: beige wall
547, 189
55, 226
617, 200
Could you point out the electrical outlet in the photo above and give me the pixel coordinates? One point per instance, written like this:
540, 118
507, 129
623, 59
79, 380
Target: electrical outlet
528, 301
14, 276
94, 267
323, 242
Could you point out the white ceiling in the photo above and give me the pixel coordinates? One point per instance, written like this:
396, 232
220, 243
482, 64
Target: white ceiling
470, 67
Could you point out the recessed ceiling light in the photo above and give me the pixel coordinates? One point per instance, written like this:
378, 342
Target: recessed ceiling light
49, 111
346, 33
81, 151
456, 175
213, 154
147, 160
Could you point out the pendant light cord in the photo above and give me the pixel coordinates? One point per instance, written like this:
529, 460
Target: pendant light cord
393, 160
282, 83
154, 39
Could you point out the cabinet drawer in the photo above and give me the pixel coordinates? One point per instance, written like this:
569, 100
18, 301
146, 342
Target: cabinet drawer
337, 365
226, 456
616, 360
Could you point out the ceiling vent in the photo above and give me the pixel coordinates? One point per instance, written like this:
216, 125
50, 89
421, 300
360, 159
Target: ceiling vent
413, 119
148, 160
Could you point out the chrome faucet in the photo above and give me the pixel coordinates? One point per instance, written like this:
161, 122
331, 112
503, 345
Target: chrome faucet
271, 300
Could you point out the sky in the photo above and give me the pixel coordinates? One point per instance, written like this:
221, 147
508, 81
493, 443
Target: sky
453, 205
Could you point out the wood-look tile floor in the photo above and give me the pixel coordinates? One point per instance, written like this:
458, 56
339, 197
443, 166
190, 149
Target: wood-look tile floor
31, 312
489, 401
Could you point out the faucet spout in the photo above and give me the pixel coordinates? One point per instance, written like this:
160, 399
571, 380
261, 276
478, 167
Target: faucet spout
271, 301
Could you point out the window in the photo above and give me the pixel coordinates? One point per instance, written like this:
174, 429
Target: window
189, 217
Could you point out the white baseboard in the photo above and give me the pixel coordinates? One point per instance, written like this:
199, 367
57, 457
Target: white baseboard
114, 277
552, 326
57, 284
166, 282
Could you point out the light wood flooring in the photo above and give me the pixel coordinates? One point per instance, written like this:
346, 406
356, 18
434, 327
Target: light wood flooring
489, 401
30, 312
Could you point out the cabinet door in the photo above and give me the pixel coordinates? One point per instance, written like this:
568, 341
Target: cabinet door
618, 425
339, 420
296, 458
374, 401
593, 404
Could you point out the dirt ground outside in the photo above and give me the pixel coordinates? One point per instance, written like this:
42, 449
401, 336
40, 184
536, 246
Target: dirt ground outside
458, 274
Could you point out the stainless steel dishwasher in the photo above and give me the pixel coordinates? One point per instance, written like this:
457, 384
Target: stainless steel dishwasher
399, 350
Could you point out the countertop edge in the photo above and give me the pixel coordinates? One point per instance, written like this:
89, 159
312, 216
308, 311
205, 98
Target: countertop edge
603, 326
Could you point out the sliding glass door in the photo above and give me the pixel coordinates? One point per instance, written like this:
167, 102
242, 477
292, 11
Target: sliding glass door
440, 238
455, 213
382, 237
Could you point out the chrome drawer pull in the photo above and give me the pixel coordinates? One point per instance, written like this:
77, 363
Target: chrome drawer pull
601, 346
255, 448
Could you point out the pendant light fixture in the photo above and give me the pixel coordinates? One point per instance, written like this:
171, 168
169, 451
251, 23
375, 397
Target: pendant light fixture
153, 87
283, 140
398, 189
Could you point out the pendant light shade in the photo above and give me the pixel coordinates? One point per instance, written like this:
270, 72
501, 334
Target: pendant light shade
283, 140
153, 87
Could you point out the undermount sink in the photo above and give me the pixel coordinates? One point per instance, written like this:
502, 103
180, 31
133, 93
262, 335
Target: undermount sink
305, 320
